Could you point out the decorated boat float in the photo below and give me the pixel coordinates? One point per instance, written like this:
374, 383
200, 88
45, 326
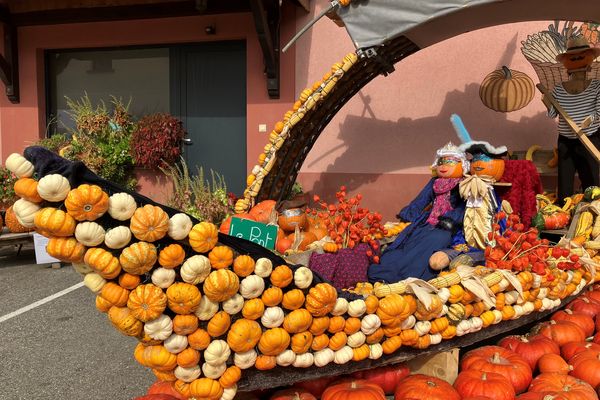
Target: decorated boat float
215, 314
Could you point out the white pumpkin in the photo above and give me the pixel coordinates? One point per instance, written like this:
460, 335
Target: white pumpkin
323, 357
159, 328
53, 187
511, 297
463, 327
303, 277
217, 352
175, 343
187, 374
356, 308
340, 307
444, 294
252, 286
518, 311
234, 304
476, 324
263, 267
343, 355
94, 282
556, 302
25, 212
528, 308
435, 339
422, 327
180, 226
163, 277
213, 371
117, 238
409, 322
19, 165
121, 206
82, 268
89, 234
546, 304
544, 292
229, 393
272, 317
375, 351
286, 358
537, 281
195, 269
246, 359
370, 323
304, 360
443, 312
357, 339
498, 316
206, 309
503, 284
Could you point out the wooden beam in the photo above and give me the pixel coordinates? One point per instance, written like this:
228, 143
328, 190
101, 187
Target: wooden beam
266, 21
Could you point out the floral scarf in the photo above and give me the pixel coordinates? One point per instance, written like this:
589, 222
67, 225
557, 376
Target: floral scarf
441, 204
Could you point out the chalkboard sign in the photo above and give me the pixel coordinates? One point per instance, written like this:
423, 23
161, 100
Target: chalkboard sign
262, 234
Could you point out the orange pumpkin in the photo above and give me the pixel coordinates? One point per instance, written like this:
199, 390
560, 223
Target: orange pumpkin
86, 202
376, 336
297, 321
102, 262
206, 388
68, 250
301, 342
281, 276
147, 302
321, 299
336, 324
220, 257
199, 339
26, 188
319, 342
226, 224
243, 265
253, 309
50, 221
183, 298
283, 242
293, 299
391, 344
353, 390
149, 223
115, 294
203, 237
317, 227
221, 285
262, 211
305, 239
352, 325
188, 358
493, 167
218, 324
230, 377
272, 296
319, 325
337, 341
129, 281
290, 219
171, 256
264, 362
243, 335
138, 258
274, 341
185, 324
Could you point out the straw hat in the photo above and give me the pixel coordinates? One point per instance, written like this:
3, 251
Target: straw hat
577, 44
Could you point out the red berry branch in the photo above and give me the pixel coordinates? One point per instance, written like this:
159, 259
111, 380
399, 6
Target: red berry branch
349, 224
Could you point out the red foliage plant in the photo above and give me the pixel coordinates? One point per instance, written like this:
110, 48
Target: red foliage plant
156, 139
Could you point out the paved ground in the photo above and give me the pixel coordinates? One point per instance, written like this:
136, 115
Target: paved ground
65, 348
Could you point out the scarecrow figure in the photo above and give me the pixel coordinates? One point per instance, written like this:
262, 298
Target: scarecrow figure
436, 214
580, 98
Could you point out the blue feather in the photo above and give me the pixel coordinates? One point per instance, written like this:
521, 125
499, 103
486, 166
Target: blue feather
460, 129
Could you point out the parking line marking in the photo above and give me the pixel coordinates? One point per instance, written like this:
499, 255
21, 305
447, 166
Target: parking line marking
40, 302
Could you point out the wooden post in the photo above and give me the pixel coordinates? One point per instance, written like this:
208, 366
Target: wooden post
443, 365
549, 99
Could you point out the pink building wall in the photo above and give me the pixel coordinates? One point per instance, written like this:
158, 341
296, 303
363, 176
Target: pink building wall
383, 140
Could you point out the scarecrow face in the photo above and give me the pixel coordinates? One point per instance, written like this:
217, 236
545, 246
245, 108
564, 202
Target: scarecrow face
449, 167
578, 60
484, 165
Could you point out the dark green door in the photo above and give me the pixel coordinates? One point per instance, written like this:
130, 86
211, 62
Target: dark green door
209, 95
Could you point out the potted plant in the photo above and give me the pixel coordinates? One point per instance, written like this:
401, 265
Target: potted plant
156, 140
7, 191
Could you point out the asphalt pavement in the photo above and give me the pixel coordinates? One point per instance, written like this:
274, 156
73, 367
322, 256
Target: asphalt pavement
63, 348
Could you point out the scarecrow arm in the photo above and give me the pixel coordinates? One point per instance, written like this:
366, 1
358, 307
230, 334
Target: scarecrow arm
576, 128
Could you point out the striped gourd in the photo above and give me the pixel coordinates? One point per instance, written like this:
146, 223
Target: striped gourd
506, 90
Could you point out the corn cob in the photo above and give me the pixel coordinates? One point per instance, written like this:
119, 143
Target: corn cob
493, 278
382, 289
446, 280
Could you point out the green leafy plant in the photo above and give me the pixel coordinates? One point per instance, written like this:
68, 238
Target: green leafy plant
7, 183
296, 190
101, 139
197, 196
156, 140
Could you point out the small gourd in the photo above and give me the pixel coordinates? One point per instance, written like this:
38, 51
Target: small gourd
94, 282
86, 202
369, 324
206, 309
163, 277
187, 374
357, 308
286, 358
252, 286
25, 212
121, 206
272, 317
117, 238
343, 355
304, 360
233, 305
89, 234
303, 277
340, 307
149, 223
263, 267
176, 343
160, 328
323, 357
356, 339
180, 226
213, 371
195, 269
19, 165
217, 352
376, 351
246, 359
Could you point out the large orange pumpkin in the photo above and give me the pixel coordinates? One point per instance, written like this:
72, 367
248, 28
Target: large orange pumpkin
423, 387
290, 219
262, 211
562, 385
479, 383
506, 90
353, 390
226, 224
530, 348
305, 238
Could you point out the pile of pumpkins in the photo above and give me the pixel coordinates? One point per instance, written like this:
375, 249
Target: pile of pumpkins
203, 312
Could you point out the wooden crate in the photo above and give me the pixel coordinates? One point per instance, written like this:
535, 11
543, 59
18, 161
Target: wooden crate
443, 365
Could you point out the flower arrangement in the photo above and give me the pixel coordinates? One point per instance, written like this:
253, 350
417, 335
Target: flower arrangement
7, 192
157, 140
348, 224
